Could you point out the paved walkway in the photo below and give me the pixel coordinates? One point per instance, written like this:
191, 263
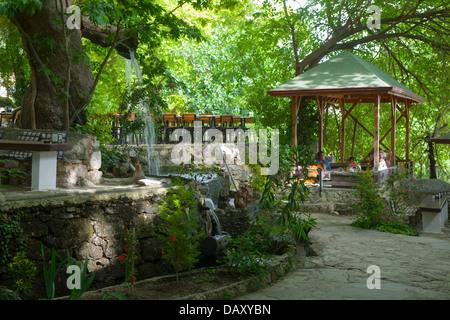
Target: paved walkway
410, 267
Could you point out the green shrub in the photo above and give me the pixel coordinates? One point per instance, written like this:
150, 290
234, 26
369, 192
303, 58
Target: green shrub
11, 237
179, 228
370, 210
23, 271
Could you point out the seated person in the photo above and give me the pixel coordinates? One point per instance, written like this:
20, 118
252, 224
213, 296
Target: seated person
321, 160
382, 154
352, 163
382, 165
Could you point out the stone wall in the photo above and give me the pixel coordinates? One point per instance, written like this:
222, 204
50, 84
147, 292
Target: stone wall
91, 222
91, 226
333, 200
241, 172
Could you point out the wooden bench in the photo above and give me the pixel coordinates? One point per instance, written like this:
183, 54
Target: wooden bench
434, 213
43, 163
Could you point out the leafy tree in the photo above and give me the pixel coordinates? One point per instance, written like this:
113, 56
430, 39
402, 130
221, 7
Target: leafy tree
62, 80
14, 67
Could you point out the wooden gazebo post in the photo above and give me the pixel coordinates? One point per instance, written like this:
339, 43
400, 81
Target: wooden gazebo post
343, 117
321, 102
295, 106
393, 129
407, 107
376, 133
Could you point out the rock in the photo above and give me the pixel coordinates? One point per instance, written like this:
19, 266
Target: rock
89, 250
95, 161
151, 249
149, 182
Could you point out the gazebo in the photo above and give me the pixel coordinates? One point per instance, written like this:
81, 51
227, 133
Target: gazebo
348, 80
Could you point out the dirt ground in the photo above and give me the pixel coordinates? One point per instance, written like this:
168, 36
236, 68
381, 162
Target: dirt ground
169, 288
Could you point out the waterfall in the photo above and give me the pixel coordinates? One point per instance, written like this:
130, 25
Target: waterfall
210, 204
149, 130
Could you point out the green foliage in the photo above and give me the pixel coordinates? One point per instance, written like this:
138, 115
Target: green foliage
129, 257
8, 294
370, 210
11, 237
247, 253
23, 271
99, 126
397, 227
395, 192
9, 7
279, 221
10, 171
285, 193
299, 227
179, 228
370, 206
51, 271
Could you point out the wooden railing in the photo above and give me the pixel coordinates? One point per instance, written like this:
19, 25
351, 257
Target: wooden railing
169, 122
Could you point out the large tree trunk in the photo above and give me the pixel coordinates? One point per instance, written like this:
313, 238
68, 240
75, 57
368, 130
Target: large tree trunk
46, 98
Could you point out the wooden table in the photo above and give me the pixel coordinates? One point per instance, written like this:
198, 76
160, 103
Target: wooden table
43, 163
434, 213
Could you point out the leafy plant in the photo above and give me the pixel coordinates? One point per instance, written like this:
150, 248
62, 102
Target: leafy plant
11, 236
7, 171
397, 227
179, 228
51, 271
285, 193
395, 192
369, 211
129, 258
100, 126
23, 272
369, 208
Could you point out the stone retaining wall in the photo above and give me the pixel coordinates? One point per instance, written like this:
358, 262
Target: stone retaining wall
332, 200
94, 227
93, 224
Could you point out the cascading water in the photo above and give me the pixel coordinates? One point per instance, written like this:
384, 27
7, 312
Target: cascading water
210, 204
149, 130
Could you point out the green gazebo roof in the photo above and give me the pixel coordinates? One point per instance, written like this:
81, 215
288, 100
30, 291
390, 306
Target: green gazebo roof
345, 75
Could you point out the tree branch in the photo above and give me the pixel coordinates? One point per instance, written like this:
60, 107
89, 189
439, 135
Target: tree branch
97, 77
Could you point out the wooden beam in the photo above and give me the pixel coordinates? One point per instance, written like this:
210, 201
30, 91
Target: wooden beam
295, 106
393, 129
344, 114
376, 133
321, 102
354, 139
407, 107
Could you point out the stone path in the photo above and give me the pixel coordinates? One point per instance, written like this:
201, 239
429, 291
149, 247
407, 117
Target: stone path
410, 267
